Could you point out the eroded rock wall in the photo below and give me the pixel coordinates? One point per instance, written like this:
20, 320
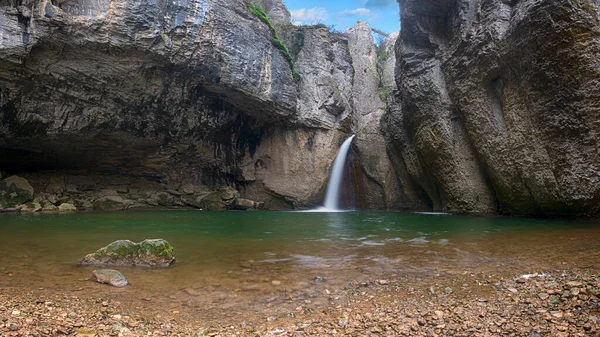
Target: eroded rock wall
498, 106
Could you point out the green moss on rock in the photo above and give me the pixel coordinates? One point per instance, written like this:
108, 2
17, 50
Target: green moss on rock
15, 190
259, 13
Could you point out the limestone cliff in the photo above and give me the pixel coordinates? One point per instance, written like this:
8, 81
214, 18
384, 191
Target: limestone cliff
115, 104
498, 106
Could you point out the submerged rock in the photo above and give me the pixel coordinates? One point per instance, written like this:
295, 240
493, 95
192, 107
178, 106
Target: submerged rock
148, 253
111, 277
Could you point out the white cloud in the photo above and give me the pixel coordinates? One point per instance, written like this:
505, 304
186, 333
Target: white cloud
355, 12
309, 15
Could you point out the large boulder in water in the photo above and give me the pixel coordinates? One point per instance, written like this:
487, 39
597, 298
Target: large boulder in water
148, 253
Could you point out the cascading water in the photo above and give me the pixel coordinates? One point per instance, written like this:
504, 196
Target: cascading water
332, 197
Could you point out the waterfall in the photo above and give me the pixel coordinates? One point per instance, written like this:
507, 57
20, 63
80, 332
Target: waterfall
332, 197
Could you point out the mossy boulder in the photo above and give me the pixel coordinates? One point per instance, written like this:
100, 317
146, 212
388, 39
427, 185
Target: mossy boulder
148, 253
15, 190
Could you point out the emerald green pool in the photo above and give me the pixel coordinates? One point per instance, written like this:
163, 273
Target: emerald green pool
228, 258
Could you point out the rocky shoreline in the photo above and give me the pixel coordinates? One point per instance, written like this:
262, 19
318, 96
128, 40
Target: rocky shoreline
69, 193
552, 303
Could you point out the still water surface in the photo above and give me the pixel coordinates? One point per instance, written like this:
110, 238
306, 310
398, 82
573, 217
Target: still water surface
243, 259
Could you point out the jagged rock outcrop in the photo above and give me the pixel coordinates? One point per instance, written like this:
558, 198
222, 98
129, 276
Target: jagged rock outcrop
144, 99
377, 183
499, 109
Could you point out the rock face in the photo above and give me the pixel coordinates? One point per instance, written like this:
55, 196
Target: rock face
110, 277
148, 253
499, 108
373, 175
162, 95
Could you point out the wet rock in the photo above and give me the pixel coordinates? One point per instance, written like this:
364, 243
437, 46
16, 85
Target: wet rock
319, 279
191, 292
228, 193
30, 207
197, 199
111, 277
148, 253
161, 199
243, 204
85, 204
48, 206
111, 203
207, 201
67, 207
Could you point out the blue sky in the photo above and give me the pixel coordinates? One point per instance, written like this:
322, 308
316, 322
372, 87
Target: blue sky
380, 14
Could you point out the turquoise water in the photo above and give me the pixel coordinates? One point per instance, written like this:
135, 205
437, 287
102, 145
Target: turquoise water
229, 258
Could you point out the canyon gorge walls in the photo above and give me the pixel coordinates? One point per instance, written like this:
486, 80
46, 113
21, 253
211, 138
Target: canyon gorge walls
487, 107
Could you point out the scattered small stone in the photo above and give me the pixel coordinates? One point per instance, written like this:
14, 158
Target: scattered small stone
319, 279
191, 292
385, 310
110, 276
275, 282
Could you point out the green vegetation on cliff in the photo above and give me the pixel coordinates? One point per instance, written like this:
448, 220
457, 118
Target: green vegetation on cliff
258, 12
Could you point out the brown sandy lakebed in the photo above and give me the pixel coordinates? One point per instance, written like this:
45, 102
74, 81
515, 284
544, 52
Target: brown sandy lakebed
553, 303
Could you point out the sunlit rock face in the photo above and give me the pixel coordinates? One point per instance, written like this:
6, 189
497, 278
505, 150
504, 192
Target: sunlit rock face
498, 108
178, 93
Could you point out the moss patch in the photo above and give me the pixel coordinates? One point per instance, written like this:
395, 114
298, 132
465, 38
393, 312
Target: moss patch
259, 13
